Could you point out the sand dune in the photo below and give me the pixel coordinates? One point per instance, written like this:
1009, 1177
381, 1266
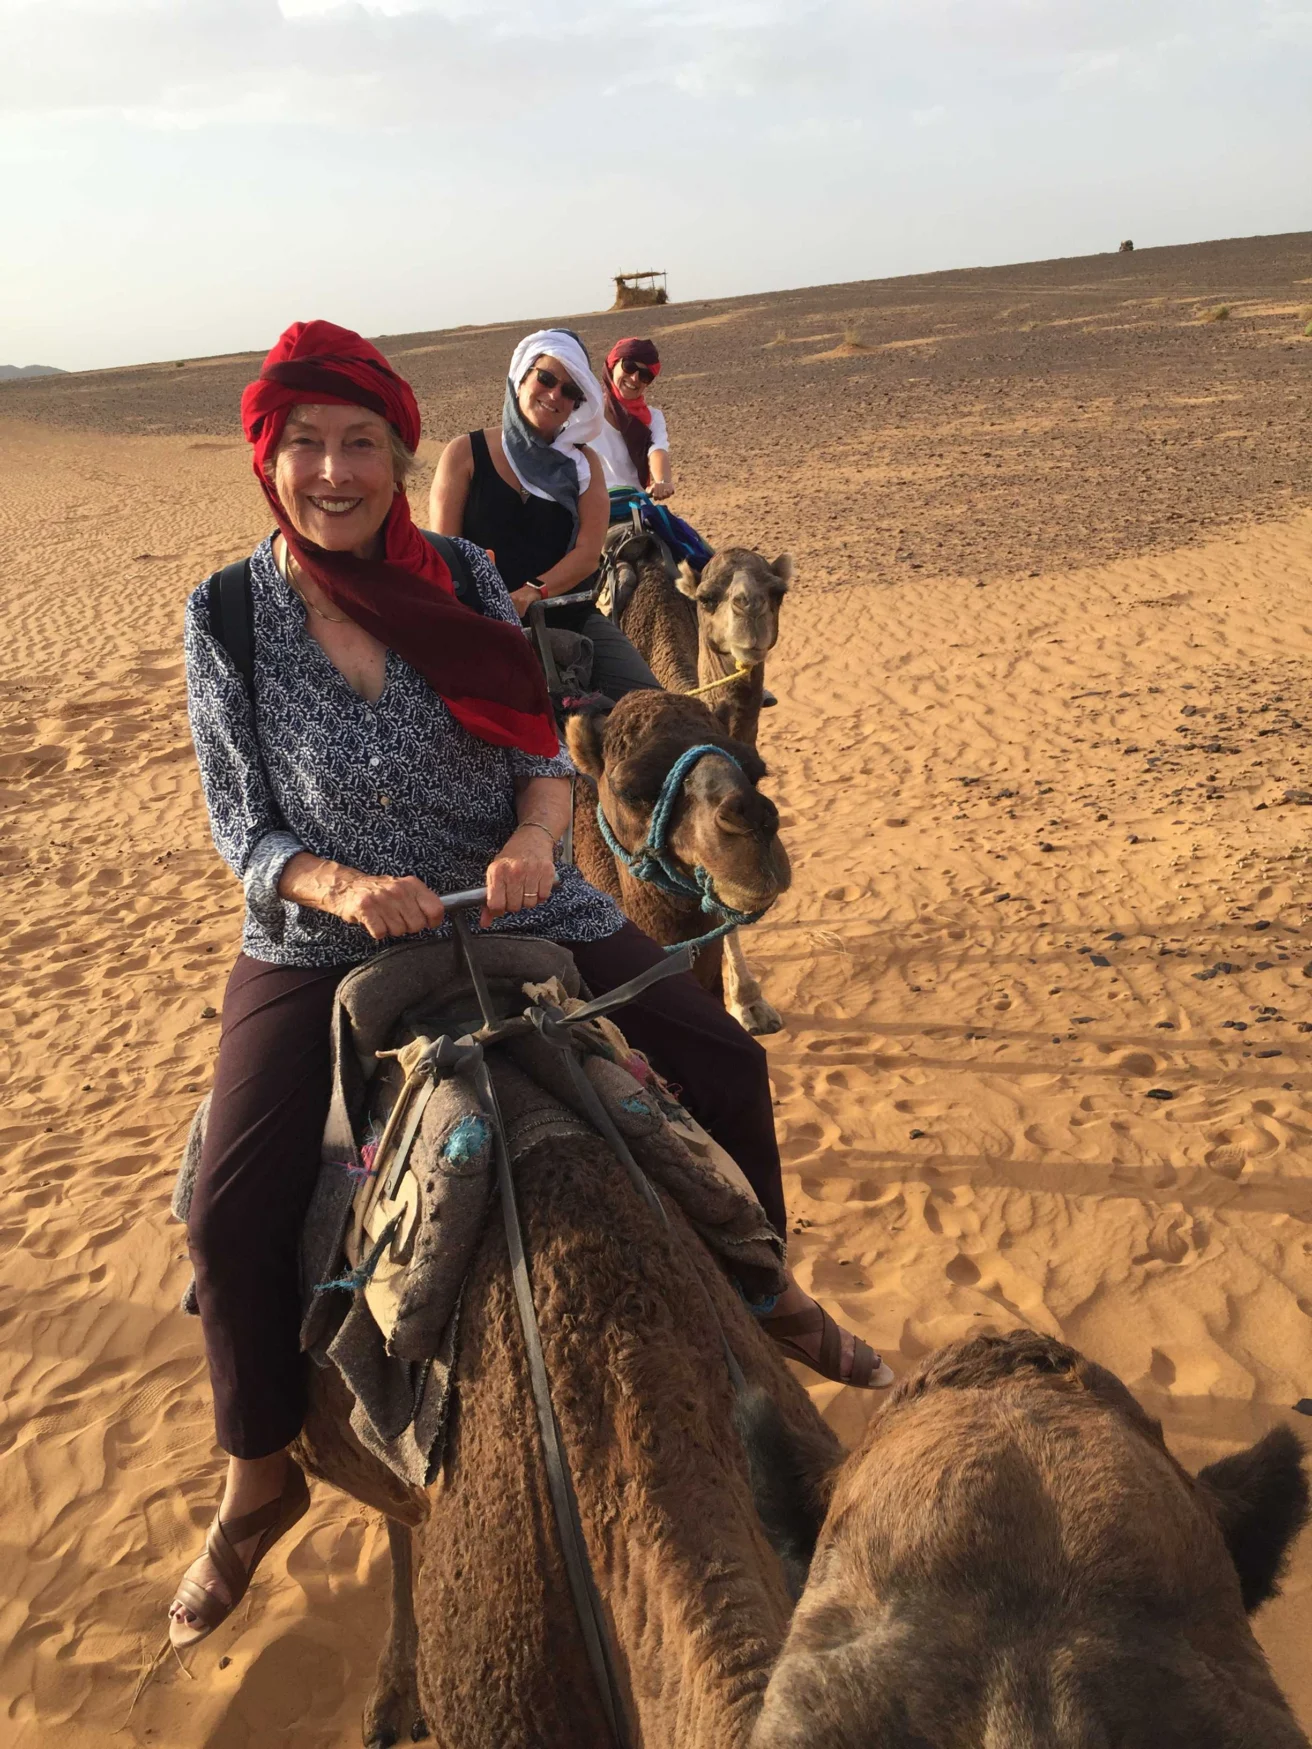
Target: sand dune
1050, 837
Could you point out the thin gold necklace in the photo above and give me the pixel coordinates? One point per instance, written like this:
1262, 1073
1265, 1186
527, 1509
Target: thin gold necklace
289, 564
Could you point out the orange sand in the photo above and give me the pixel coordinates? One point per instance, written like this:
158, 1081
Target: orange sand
962, 1092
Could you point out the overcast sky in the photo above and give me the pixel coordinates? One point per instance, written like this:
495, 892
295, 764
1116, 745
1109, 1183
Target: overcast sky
182, 177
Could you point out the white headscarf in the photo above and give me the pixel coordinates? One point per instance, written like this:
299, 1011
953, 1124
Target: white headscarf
583, 425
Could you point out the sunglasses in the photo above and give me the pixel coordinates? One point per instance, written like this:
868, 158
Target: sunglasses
633, 368
571, 391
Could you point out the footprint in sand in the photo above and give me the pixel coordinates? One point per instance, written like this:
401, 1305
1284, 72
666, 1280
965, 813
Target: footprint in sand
839, 1041
1228, 1160
1230, 1150
1137, 1063
1172, 1238
962, 1271
1162, 1369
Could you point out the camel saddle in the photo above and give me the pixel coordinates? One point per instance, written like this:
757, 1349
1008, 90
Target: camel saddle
407, 1174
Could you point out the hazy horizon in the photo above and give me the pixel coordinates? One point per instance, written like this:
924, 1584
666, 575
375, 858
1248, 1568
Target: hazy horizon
184, 177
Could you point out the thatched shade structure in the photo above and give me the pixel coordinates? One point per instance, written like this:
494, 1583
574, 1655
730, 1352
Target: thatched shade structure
639, 291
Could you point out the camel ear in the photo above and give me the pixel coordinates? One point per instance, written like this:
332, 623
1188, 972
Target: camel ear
783, 568
585, 741
1261, 1500
687, 580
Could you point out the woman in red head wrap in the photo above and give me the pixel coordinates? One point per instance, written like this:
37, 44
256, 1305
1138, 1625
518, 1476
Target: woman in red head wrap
377, 569
634, 445
389, 744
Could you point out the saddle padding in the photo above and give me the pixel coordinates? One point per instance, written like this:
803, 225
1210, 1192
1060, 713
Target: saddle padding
424, 979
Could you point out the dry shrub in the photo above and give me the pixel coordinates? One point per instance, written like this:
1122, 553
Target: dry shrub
1219, 313
1307, 332
852, 337
1305, 314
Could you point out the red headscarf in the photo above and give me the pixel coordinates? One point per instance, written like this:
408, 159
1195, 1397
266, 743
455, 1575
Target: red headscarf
633, 418
482, 668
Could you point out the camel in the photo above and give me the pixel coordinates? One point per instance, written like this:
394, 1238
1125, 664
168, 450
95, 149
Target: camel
484, 1650
710, 631
723, 824
1013, 1557
696, 630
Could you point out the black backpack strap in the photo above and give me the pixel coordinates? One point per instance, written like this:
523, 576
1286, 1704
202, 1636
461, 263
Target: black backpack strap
457, 563
230, 618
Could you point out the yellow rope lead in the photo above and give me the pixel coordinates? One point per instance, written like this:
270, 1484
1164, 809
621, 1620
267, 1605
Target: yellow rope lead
724, 680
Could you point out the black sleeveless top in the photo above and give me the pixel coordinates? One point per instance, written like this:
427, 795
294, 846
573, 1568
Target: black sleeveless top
525, 535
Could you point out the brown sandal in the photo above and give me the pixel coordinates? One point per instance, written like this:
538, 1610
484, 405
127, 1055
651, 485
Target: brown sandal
869, 1373
268, 1522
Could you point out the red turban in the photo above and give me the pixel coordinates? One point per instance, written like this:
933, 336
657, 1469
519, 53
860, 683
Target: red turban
633, 418
483, 669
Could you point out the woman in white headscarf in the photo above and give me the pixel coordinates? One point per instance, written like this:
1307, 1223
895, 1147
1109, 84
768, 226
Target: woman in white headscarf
534, 495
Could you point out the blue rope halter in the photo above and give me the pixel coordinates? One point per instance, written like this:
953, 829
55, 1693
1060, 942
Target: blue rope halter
653, 863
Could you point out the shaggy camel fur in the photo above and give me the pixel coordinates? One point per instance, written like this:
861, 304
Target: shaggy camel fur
723, 823
695, 1594
1013, 1558
699, 629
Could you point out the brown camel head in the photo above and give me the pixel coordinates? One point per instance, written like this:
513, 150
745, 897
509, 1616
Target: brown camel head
721, 821
1012, 1557
738, 597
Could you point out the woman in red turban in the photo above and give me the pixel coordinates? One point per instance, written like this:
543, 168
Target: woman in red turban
634, 445
390, 744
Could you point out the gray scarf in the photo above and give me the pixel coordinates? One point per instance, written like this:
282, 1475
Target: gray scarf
533, 459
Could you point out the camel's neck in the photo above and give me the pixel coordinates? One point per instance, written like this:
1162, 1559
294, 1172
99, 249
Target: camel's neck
670, 920
662, 624
737, 702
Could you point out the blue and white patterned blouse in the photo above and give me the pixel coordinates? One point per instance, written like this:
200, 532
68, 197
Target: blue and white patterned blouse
392, 788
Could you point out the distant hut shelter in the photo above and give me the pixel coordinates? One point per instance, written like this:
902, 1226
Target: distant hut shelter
638, 291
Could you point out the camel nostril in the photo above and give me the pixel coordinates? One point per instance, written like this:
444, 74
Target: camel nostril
749, 814
730, 817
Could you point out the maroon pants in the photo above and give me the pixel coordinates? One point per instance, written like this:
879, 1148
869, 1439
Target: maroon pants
261, 1155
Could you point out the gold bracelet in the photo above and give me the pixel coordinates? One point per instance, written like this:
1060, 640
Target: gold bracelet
541, 828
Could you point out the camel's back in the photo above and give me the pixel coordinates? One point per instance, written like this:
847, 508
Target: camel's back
1046, 1492
695, 1594
1020, 1567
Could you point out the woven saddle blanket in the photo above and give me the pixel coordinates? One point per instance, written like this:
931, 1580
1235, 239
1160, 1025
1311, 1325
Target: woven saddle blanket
407, 1175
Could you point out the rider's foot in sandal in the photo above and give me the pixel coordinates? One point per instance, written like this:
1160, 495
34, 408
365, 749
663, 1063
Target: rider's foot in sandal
215, 1584
812, 1337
